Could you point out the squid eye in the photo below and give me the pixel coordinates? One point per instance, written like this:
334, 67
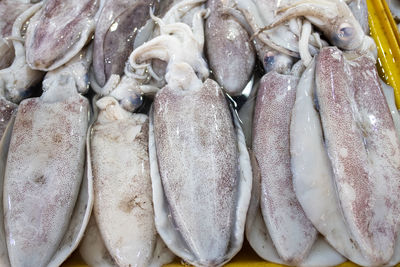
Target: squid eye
269, 61
346, 31
131, 103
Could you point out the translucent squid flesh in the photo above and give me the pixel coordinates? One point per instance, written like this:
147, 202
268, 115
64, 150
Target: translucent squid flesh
58, 32
116, 29
363, 148
39, 198
120, 163
230, 52
290, 229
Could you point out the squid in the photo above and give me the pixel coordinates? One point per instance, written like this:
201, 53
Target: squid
230, 52
359, 172
47, 203
116, 29
9, 11
18, 80
92, 248
199, 215
125, 220
59, 31
334, 18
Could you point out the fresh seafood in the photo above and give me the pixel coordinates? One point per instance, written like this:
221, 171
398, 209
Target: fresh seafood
116, 29
17, 80
199, 215
333, 17
59, 31
360, 11
9, 11
92, 248
230, 52
389, 95
291, 231
363, 148
126, 219
276, 47
4, 145
312, 171
49, 134
257, 234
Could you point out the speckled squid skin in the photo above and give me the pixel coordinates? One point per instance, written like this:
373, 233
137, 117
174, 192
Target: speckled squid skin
230, 52
44, 170
58, 32
198, 163
122, 185
115, 31
291, 231
363, 148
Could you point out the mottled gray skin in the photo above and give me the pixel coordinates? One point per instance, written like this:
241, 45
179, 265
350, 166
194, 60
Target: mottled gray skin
291, 231
55, 33
43, 174
363, 148
9, 11
230, 52
115, 33
198, 163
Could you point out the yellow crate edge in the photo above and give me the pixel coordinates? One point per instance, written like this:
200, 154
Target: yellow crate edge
387, 40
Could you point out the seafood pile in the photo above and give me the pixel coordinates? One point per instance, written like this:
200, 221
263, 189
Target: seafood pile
142, 130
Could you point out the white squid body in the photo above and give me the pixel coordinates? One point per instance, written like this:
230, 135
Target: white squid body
48, 139
92, 248
313, 175
16, 80
122, 186
200, 166
58, 31
291, 232
257, 234
363, 150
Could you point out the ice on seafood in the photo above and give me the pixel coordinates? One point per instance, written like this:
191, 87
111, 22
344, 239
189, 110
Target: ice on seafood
363, 148
58, 32
120, 163
229, 49
116, 29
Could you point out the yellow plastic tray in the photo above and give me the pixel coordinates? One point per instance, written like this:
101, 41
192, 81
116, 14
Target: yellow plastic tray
384, 31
